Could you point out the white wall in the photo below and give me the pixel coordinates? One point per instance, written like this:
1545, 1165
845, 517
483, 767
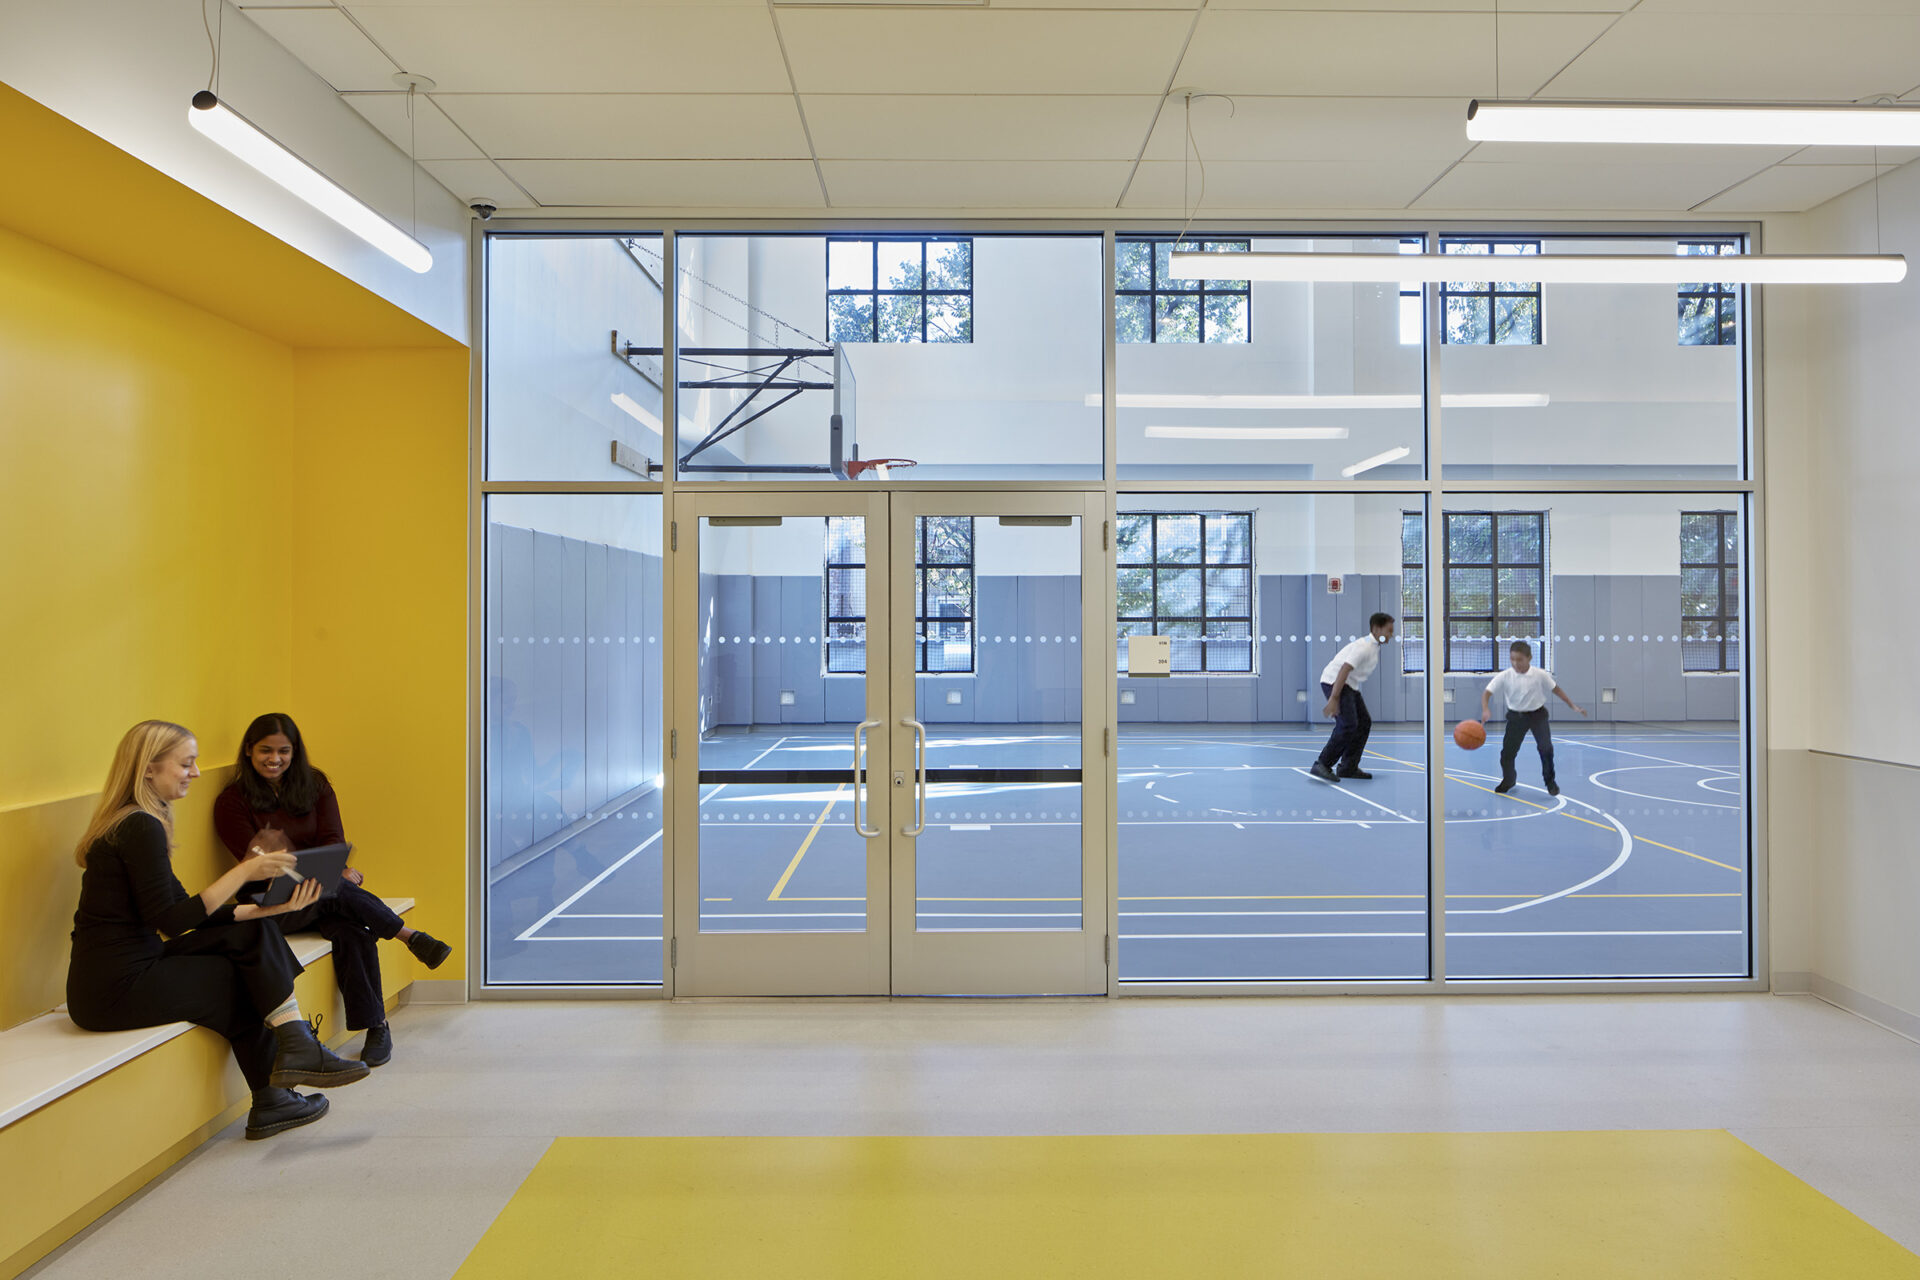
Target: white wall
629, 521
126, 70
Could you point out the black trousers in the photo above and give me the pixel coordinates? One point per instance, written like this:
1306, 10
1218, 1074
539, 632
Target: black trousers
1519, 725
354, 921
226, 977
1351, 728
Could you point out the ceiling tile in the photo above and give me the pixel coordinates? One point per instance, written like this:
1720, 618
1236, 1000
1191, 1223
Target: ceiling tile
606, 126
946, 127
1886, 157
982, 51
1790, 188
1644, 188
584, 49
675, 184
433, 136
331, 46
1276, 187
1386, 55
470, 179
974, 184
1430, 130
1810, 55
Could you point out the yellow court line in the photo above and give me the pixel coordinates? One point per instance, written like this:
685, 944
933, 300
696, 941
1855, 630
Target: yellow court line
719, 899
1563, 813
819, 822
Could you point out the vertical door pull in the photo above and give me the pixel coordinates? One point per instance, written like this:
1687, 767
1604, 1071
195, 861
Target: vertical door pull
860, 777
920, 769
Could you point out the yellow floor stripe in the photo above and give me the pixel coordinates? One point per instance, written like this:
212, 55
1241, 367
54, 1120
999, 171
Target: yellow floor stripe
1449, 1206
818, 822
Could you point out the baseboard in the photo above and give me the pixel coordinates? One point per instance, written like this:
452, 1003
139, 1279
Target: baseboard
1792, 982
437, 991
1878, 1012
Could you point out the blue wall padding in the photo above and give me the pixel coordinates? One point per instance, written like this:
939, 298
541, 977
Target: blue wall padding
574, 681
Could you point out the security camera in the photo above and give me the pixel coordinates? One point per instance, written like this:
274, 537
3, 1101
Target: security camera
483, 209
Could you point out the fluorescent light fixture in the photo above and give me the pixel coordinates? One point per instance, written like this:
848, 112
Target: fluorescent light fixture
633, 409
1699, 123
1156, 400
1246, 433
1553, 268
1377, 460
246, 140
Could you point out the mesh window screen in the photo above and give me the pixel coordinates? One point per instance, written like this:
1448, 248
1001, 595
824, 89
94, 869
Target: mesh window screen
1188, 575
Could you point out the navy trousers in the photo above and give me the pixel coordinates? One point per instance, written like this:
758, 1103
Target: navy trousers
1519, 725
354, 921
1351, 729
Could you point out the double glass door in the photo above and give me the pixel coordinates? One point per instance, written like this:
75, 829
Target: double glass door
885, 777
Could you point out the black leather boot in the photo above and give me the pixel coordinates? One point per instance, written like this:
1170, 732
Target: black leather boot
428, 950
304, 1060
377, 1050
277, 1110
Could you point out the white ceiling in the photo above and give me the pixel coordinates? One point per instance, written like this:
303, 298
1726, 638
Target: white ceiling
1349, 106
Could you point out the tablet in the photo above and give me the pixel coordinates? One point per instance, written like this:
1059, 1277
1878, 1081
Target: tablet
323, 864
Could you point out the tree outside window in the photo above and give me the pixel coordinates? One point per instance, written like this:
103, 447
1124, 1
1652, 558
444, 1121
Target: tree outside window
1490, 312
1149, 305
900, 289
1188, 576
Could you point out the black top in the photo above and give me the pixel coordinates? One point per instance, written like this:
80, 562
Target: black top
129, 896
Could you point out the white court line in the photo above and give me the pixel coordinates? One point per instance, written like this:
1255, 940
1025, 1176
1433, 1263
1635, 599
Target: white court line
1332, 912
596, 938
1626, 851
1641, 755
1563, 933
1362, 799
614, 915
1594, 778
1210, 937
536, 926
783, 915
976, 826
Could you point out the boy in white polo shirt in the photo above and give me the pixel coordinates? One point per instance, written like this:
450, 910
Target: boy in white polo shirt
1525, 688
1341, 682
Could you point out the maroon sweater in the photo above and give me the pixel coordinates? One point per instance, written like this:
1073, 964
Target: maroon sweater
236, 822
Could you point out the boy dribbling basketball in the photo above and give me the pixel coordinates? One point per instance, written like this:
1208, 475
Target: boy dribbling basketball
1524, 687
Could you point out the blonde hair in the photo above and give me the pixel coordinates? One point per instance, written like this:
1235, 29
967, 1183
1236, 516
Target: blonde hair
129, 790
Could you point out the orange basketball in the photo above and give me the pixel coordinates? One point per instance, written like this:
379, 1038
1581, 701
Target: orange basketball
1470, 734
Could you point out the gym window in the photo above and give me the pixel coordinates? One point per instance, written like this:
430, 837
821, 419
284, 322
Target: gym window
1413, 591
1496, 586
943, 594
1709, 591
1149, 305
1709, 313
899, 289
1188, 576
1412, 321
1490, 312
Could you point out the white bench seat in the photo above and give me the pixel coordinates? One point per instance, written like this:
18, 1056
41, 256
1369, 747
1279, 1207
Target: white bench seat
48, 1057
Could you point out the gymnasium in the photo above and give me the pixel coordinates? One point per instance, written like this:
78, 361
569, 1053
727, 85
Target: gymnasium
1030, 637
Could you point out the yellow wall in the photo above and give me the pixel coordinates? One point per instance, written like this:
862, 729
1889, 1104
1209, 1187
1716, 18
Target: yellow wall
379, 632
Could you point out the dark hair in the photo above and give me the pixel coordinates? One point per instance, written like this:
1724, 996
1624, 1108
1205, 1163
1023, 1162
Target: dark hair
1520, 646
299, 786
1379, 620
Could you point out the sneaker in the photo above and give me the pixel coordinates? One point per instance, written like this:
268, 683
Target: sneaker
1503, 788
377, 1049
277, 1110
302, 1059
1321, 772
1553, 788
428, 950
1358, 775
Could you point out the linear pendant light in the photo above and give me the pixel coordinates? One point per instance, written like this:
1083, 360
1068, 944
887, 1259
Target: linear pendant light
1553, 268
1246, 433
1694, 123
250, 143
1219, 400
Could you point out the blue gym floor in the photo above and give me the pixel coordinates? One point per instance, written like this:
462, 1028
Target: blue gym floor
1234, 863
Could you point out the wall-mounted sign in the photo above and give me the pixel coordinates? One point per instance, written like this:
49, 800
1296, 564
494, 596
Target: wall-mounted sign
1149, 656
1336, 585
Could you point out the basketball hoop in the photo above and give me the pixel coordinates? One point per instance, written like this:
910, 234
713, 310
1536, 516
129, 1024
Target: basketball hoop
856, 467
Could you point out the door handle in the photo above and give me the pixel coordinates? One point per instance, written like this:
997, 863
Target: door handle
920, 769
860, 776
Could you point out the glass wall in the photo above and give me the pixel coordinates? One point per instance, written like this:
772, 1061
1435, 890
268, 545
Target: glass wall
1265, 380
978, 357
1601, 831
574, 764
573, 368
1238, 861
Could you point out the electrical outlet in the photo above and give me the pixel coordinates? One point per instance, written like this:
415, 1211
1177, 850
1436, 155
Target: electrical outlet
953, 697
1127, 698
787, 698
1446, 695
1607, 695
1299, 695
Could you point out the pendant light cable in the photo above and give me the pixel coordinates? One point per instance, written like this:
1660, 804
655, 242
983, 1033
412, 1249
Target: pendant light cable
213, 42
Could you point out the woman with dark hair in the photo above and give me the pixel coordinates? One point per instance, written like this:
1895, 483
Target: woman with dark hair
278, 800
146, 952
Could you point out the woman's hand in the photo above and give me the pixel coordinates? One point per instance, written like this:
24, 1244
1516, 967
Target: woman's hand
262, 865
353, 875
305, 894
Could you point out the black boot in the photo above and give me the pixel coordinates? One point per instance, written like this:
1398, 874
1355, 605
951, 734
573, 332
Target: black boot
277, 1110
377, 1050
304, 1060
428, 950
